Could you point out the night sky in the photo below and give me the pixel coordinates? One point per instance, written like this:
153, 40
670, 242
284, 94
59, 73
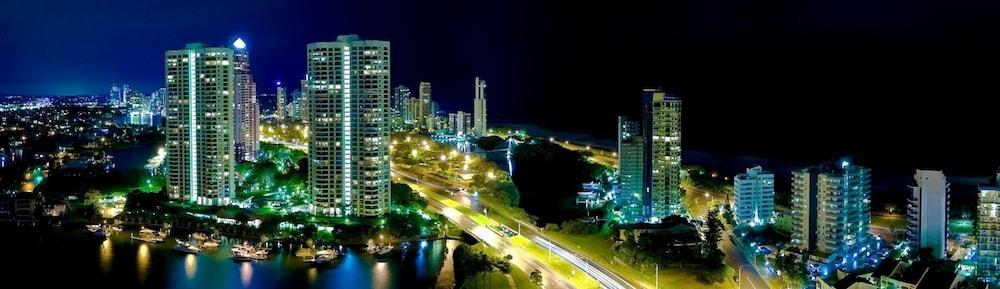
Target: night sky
900, 84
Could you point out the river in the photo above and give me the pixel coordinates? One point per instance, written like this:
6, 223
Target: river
72, 257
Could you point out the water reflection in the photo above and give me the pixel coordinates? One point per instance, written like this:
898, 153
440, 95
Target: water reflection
380, 275
142, 262
246, 273
190, 266
311, 274
106, 256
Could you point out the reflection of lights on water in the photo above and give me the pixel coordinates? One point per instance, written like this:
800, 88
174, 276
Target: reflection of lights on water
106, 255
142, 262
190, 266
246, 273
380, 275
311, 274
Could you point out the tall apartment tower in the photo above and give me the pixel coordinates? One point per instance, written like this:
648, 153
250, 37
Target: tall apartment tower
754, 192
247, 111
988, 232
400, 100
304, 101
199, 135
424, 106
831, 211
279, 102
631, 170
348, 86
662, 130
479, 108
927, 211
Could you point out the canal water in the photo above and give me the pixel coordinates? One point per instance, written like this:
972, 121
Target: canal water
68, 257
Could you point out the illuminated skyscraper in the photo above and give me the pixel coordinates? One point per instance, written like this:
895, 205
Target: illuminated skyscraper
988, 232
831, 212
199, 134
631, 171
349, 126
927, 210
662, 131
115, 95
279, 103
460, 123
247, 110
425, 110
479, 108
754, 191
304, 101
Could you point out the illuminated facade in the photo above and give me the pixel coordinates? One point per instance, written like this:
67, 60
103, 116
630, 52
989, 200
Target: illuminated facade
348, 86
247, 112
927, 212
988, 232
424, 107
831, 212
631, 168
279, 103
199, 133
460, 123
662, 132
754, 191
479, 108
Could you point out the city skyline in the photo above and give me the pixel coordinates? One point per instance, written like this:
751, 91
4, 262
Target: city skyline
685, 144
866, 58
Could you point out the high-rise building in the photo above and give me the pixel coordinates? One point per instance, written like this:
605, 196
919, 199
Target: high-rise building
279, 103
123, 98
460, 123
115, 95
479, 108
199, 135
425, 111
927, 211
754, 191
304, 101
400, 99
247, 125
631, 171
157, 101
662, 129
831, 212
136, 101
348, 84
293, 109
988, 232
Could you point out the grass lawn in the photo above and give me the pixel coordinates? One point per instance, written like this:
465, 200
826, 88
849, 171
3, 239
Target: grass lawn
958, 226
522, 280
892, 222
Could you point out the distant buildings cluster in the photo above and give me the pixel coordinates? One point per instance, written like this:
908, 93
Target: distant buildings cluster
422, 113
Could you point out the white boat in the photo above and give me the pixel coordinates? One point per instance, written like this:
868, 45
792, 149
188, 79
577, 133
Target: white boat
209, 244
321, 257
111, 228
147, 235
93, 228
186, 247
244, 252
379, 250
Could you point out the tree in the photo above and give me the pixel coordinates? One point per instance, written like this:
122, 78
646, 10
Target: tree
309, 231
242, 217
536, 277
